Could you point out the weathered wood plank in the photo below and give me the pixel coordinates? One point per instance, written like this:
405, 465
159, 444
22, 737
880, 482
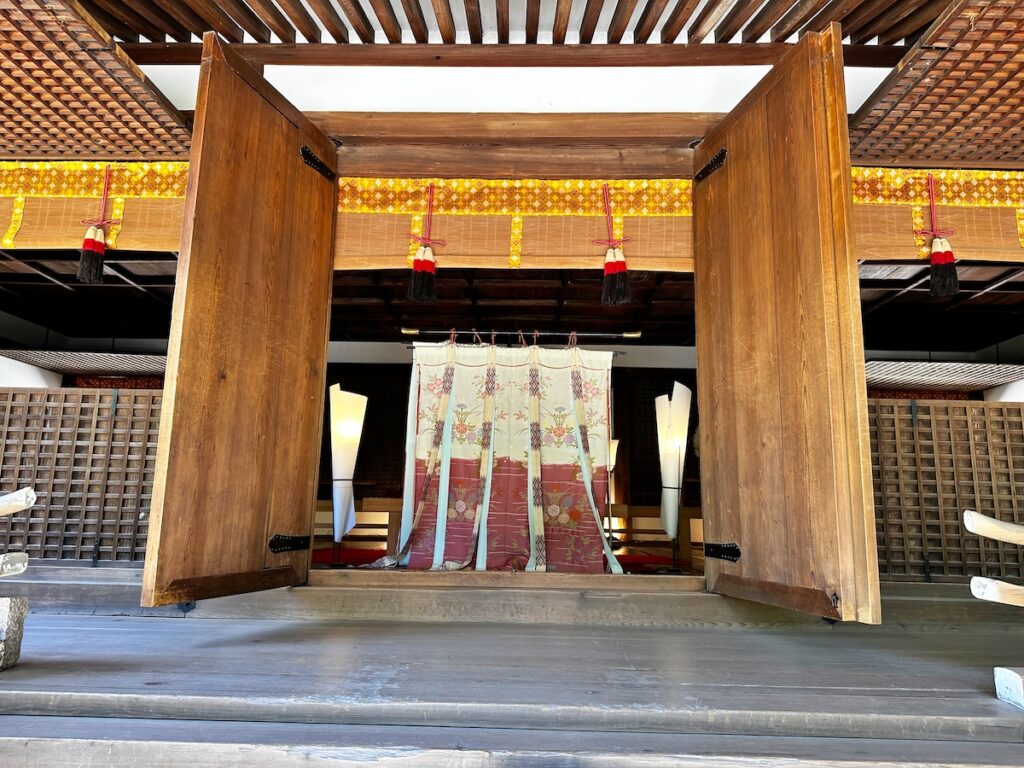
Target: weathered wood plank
789, 488
243, 399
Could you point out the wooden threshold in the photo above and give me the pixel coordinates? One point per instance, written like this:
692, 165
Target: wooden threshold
403, 579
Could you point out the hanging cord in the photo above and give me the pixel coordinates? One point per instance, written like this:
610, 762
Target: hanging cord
425, 239
933, 218
476, 338
99, 221
536, 338
612, 241
522, 339
451, 336
572, 340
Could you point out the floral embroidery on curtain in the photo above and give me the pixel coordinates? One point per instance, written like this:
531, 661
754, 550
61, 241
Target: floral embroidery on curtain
515, 443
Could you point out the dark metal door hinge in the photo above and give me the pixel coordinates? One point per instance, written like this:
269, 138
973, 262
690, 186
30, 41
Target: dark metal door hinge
282, 542
730, 552
711, 165
309, 158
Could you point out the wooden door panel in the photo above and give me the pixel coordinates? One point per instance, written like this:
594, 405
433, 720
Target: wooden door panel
243, 398
785, 458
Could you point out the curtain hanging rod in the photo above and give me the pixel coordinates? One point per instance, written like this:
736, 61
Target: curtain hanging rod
526, 334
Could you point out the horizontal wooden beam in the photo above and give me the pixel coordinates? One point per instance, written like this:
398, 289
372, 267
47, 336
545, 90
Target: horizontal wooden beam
516, 161
654, 128
410, 55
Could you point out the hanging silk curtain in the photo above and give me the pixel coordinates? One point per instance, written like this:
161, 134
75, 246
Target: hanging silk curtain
515, 443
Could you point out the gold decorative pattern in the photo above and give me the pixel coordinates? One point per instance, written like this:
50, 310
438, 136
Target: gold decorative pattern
74, 178
924, 248
960, 189
515, 248
17, 214
1020, 226
117, 214
520, 197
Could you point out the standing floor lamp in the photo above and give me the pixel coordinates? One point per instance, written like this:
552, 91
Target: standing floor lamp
347, 412
673, 417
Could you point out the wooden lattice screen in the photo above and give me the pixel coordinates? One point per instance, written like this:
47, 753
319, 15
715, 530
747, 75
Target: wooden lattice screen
90, 455
932, 459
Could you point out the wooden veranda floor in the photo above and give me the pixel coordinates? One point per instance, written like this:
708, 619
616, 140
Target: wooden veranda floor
430, 689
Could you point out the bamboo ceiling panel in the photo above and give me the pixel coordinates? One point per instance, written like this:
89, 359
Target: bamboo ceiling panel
956, 99
941, 376
67, 90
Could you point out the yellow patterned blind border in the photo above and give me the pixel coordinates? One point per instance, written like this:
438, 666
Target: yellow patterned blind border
530, 197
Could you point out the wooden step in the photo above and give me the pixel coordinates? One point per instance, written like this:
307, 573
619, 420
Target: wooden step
579, 599
860, 682
120, 743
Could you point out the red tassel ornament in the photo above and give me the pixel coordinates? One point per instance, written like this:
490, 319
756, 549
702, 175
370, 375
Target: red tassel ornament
944, 279
423, 284
94, 246
615, 287
90, 263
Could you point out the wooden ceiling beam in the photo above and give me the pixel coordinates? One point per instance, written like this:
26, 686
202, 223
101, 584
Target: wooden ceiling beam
331, 20
473, 21
137, 21
303, 22
112, 24
834, 11
863, 14
444, 18
247, 19
706, 20
677, 20
533, 20
417, 22
735, 19
909, 26
648, 20
772, 11
651, 128
516, 161
501, 9
387, 19
385, 55
560, 28
620, 20
273, 18
801, 12
591, 14
184, 15
217, 20
358, 19
896, 12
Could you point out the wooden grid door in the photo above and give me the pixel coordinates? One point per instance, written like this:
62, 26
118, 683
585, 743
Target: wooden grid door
932, 460
90, 456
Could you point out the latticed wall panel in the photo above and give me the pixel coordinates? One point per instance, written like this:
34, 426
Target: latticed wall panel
90, 454
933, 459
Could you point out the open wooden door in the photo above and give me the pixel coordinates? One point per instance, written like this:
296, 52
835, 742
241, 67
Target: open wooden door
237, 460
785, 463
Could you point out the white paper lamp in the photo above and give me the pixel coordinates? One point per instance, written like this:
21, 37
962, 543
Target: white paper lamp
673, 417
347, 412
613, 452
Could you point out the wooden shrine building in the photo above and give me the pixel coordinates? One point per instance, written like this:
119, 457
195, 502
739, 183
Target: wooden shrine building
781, 239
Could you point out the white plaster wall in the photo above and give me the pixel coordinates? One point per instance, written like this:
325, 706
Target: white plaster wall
1006, 393
14, 373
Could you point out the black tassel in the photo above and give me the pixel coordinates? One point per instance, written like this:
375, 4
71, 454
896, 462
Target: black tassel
90, 263
622, 293
944, 279
422, 286
608, 283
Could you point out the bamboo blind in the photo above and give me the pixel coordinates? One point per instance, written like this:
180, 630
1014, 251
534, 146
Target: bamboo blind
90, 455
931, 460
